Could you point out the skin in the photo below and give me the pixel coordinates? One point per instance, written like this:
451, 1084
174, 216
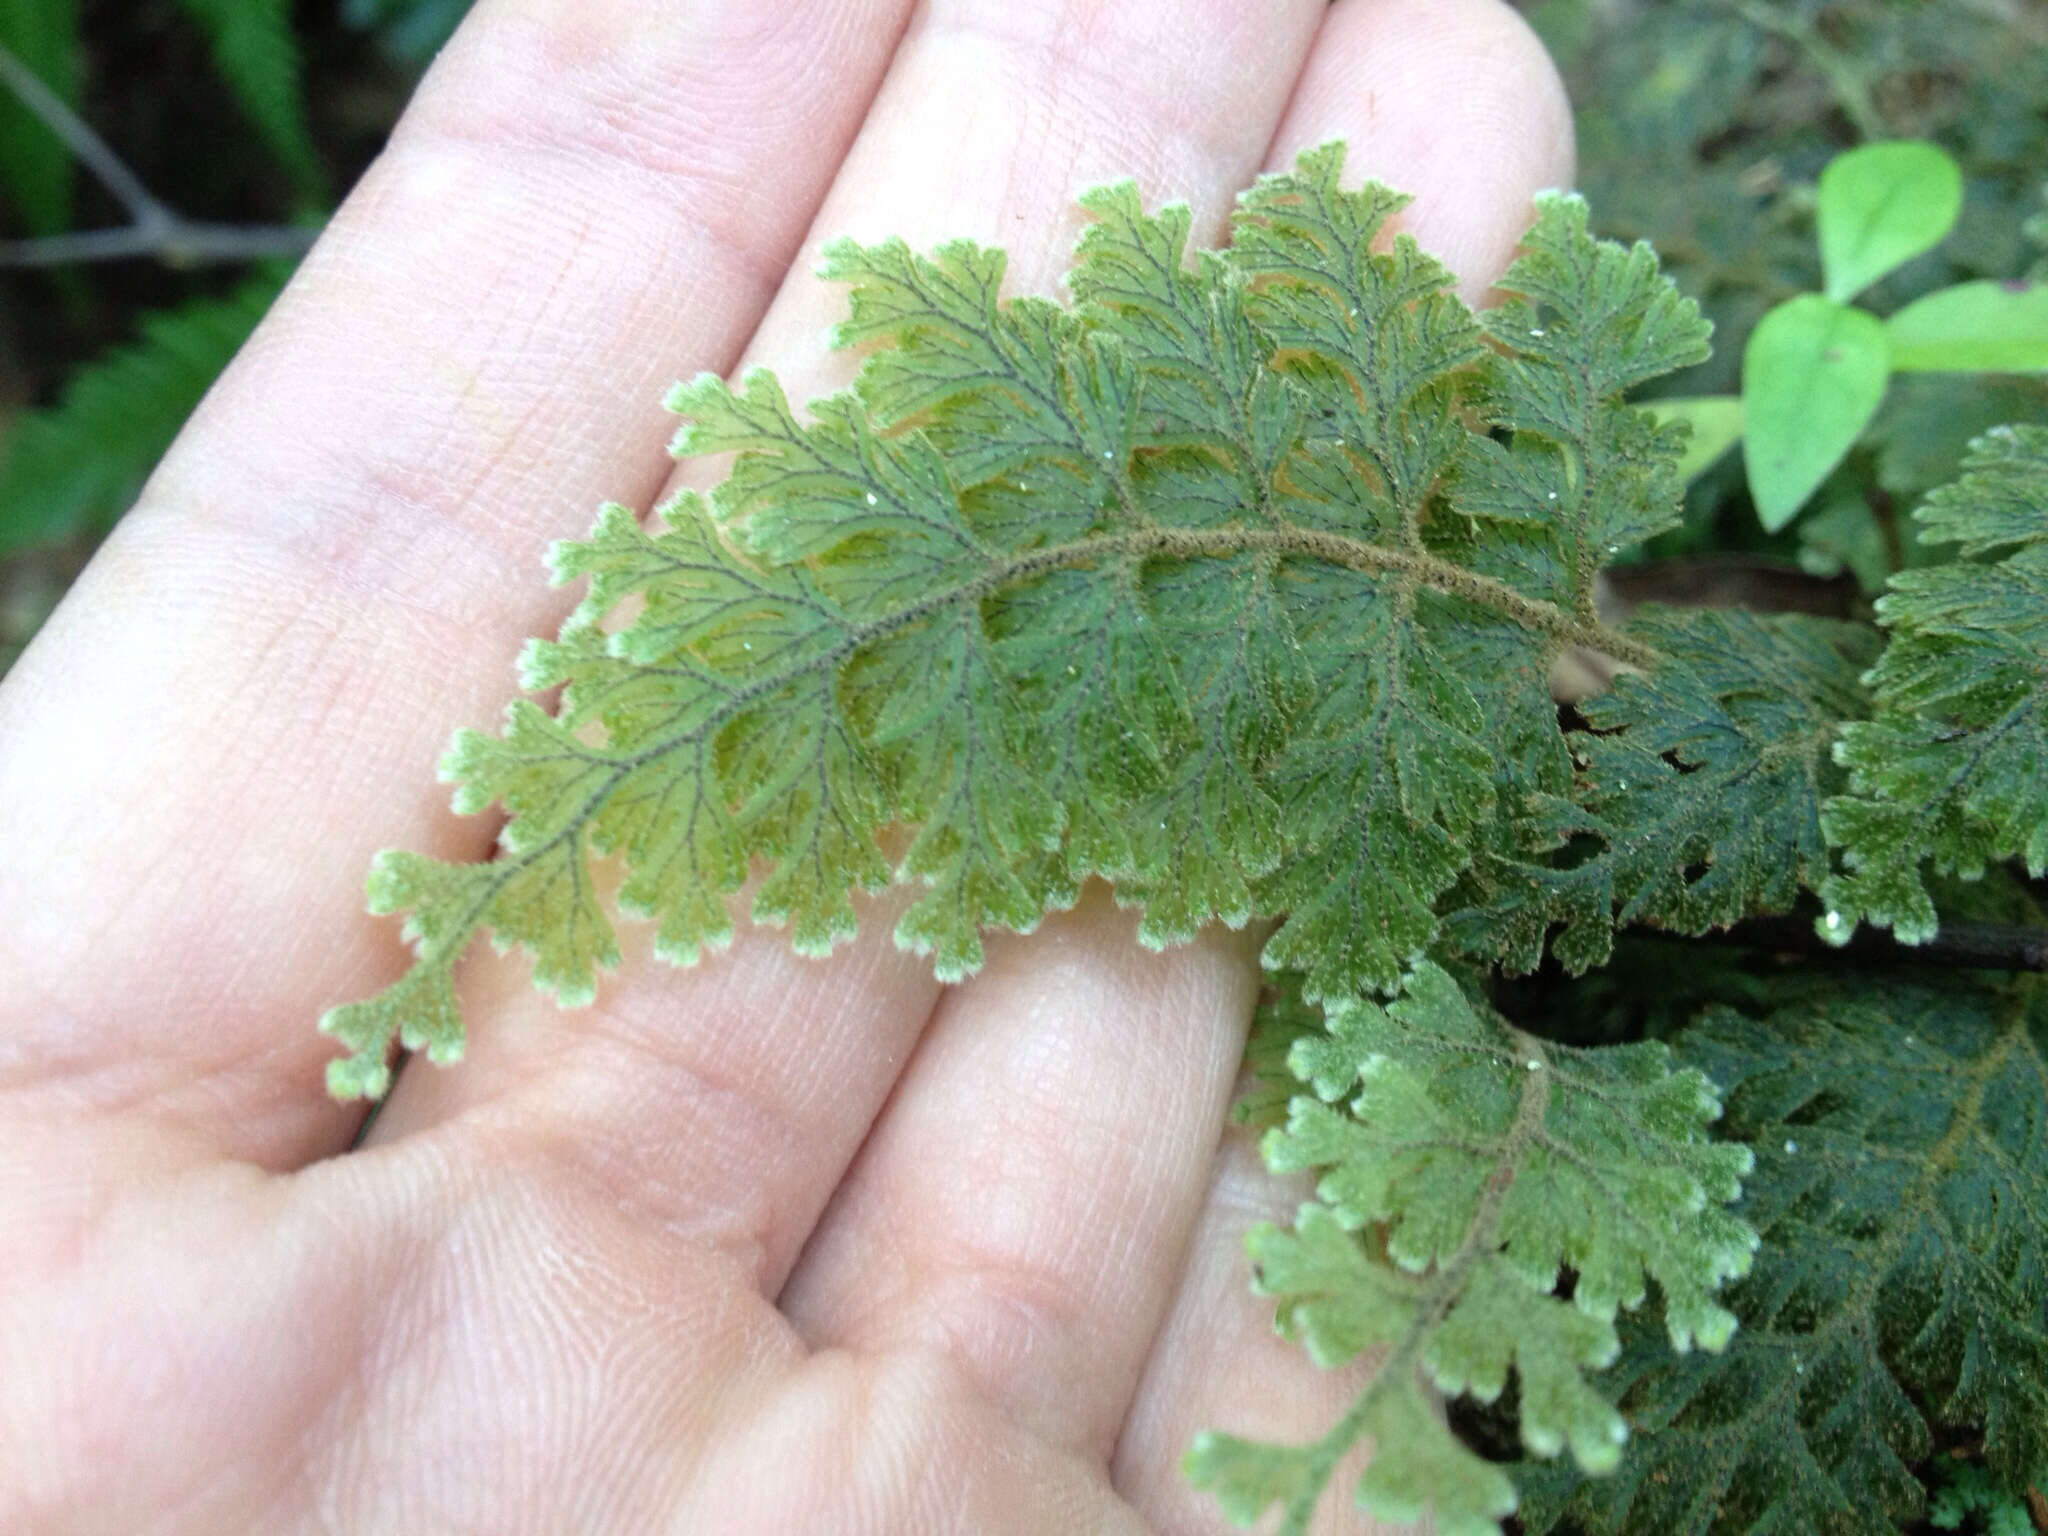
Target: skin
772, 1245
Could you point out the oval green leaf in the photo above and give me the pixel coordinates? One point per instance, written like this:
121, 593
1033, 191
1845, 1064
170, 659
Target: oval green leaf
1987, 327
1716, 422
1812, 376
1880, 206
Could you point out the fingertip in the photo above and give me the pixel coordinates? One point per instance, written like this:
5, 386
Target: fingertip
1456, 102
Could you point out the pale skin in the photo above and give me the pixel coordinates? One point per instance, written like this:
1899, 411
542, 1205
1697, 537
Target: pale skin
773, 1245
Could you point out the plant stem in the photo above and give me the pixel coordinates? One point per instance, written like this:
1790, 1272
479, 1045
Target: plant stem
154, 229
1338, 549
1959, 946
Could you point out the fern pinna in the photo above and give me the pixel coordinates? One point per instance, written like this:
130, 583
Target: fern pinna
1237, 584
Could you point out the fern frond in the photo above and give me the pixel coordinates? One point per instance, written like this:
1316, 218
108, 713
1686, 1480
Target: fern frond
1174, 588
1953, 767
1901, 1188
257, 53
1464, 1165
75, 467
1697, 798
1967, 1492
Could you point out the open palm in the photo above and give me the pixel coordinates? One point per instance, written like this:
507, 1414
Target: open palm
773, 1245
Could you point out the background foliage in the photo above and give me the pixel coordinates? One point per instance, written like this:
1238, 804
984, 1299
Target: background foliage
1703, 128
232, 111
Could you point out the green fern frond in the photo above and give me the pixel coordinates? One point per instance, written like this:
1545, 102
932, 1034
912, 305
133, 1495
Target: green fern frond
1218, 586
75, 467
1953, 768
36, 165
1697, 798
1463, 1166
257, 54
1901, 1189
1967, 1492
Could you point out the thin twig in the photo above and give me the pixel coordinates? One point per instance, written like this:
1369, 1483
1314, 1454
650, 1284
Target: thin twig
154, 229
1843, 75
178, 243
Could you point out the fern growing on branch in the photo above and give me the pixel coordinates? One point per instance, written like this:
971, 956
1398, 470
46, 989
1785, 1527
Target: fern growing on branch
1237, 584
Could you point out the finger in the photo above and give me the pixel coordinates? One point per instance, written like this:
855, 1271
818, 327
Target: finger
1030, 1191
244, 696
1493, 127
1454, 102
1218, 1363
1031, 1188
460, 1343
993, 117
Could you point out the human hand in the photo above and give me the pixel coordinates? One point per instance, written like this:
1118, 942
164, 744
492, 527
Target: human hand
773, 1245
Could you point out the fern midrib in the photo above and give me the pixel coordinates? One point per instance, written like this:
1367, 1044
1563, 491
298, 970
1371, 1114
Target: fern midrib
1333, 548
1983, 739
1422, 568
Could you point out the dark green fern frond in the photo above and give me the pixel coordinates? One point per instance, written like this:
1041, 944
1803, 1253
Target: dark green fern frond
36, 167
257, 54
1901, 1189
1953, 768
1697, 798
75, 467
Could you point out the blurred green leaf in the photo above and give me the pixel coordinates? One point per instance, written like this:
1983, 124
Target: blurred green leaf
35, 166
1812, 377
411, 29
1843, 534
257, 54
1929, 420
1880, 206
1982, 327
75, 467
1716, 422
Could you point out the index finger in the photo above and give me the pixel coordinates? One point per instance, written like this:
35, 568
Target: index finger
234, 707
